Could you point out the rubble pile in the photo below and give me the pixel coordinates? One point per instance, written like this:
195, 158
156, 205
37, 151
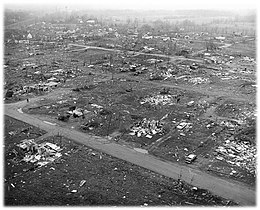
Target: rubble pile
76, 112
168, 74
156, 76
241, 116
248, 59
159, 100
97, 106
153, 60
203, 104
198, 80
147, 128
242, 154
41, 154
246, 114
229, 124
184, 125
164, 75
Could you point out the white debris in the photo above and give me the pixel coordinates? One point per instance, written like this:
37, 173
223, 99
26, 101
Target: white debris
20, 110
161, 75
242, 154
82, 182
198, 80
149, 136
159, 100
219, 158
228, 124
78, 112
43, 153
12, 133
97, 106
190, 103
183, 125
248, 59
62, 101
147, 128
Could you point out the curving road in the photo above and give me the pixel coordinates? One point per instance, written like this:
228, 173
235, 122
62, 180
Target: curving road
238, 192
175, 57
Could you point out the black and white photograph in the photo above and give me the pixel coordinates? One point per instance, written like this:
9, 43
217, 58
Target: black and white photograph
137, 103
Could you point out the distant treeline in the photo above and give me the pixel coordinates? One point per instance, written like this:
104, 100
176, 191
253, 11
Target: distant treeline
11, 17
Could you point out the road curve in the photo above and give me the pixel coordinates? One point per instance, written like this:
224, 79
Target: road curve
86, 47
236, 191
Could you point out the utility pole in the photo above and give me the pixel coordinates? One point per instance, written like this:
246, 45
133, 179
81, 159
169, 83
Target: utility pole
110, 66
109, 122
110, 114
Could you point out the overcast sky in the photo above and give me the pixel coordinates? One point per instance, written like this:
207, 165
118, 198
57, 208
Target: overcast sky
146, 4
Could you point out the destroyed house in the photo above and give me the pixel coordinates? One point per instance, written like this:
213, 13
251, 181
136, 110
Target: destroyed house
39, 87
34, 88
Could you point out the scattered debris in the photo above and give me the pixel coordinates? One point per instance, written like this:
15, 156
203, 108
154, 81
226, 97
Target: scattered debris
11, 133
191, 103
90, 125
82, 182
164, 75
41, 154
190, 158
183, 125
97, 106
239, 153
147, 127
198, 80
159, 100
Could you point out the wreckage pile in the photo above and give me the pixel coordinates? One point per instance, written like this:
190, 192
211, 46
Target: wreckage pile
198, 80
231, 125
242, 154
41, 154
183, 127
248, 59
161, 75
246, 114
159, 100
147, 128
76, 112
